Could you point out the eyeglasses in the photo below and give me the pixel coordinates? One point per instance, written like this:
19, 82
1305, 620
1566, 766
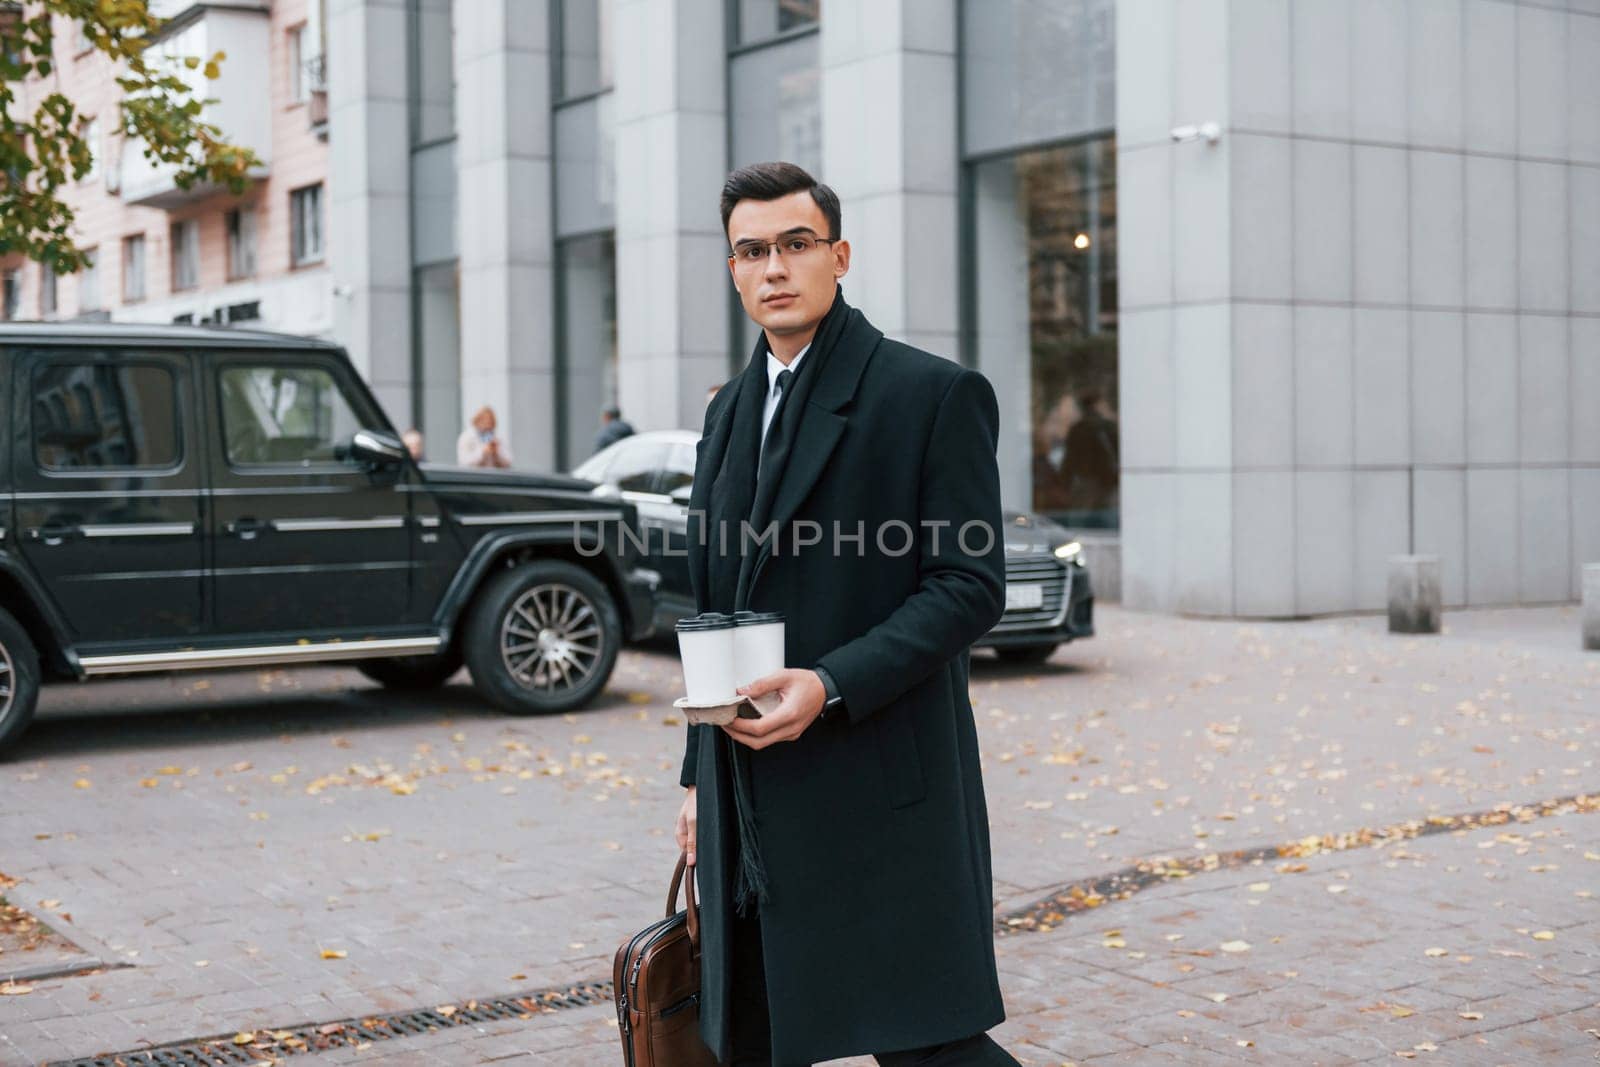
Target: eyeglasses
749, 255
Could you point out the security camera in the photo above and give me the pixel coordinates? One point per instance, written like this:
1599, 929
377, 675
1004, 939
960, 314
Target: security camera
1209, 131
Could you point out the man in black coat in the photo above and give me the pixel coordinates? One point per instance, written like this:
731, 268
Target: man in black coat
842, 841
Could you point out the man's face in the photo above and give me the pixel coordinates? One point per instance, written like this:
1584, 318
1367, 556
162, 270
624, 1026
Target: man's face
791, 292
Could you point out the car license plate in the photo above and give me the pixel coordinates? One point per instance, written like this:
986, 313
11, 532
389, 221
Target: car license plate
1024, 597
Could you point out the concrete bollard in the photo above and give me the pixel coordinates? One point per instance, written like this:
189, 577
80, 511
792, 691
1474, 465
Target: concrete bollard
1414, 594
1591, 606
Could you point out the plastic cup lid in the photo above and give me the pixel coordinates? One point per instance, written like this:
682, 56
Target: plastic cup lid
710, 620
756, 618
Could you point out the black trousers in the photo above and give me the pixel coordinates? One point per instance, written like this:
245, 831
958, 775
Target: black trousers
752, 1031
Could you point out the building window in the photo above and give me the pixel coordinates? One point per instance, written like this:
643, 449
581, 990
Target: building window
91, 138
48, 291
433, 116
133, 268
299, 63
185, 254
761, 19
1044, 286
241, 243
11, 297
305, 214
586, 35
89, 281
587, 344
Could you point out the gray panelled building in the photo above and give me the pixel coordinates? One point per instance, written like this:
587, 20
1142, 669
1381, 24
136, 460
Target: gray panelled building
1270, 290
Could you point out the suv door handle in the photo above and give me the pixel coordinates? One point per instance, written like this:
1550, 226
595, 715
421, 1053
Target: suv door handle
53, 533
246, 529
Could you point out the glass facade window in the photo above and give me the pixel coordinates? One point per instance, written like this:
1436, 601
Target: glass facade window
587, 342
761, 19
11, 301
585, 165
775, 101
1036, 71
586, 31
1045, 288
433, 115
776, 98
437, 414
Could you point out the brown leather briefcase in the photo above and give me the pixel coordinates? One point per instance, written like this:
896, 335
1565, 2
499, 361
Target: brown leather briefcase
656, 982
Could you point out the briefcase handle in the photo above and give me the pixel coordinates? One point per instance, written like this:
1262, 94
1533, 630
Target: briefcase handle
692, 905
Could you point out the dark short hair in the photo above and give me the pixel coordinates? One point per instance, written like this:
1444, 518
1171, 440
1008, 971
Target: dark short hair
612, 410
769, 181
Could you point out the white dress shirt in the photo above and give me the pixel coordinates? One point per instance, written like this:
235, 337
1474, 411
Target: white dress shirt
775, 367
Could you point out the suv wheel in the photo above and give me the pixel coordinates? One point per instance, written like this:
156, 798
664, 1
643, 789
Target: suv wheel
542, 638
19, 680
412, 673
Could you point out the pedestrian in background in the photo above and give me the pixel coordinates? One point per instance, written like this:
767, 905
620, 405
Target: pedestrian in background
613, 428
413, 440
478, 446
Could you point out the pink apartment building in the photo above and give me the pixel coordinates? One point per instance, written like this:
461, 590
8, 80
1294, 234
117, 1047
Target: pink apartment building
164, 254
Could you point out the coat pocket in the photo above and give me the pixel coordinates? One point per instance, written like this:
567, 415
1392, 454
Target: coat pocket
898, 756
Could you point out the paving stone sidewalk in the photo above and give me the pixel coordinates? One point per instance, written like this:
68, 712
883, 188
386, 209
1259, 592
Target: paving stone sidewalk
216, 835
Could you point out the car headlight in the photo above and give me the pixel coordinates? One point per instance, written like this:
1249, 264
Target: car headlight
1071, 552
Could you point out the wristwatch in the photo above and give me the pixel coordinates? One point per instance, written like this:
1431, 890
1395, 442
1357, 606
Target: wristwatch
833, 703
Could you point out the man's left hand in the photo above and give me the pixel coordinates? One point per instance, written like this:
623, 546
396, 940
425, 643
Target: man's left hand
802, 696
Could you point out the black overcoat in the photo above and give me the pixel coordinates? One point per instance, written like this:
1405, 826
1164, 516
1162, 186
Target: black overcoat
877, 927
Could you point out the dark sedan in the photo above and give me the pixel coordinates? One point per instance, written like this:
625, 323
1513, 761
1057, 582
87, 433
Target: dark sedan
1049, 599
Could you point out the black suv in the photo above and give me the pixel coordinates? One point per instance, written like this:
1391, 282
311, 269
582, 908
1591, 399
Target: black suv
183, 497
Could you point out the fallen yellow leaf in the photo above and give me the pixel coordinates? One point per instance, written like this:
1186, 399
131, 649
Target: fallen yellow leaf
243, 1037
1236, 946
1544, 935
1437, 952
334, 953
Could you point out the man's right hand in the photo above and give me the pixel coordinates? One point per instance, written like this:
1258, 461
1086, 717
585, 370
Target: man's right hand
686, 826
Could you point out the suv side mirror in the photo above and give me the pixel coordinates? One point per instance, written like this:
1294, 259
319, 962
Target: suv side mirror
378, 447
681, 494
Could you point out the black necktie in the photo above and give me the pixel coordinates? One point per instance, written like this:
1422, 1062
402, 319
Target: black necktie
781, 387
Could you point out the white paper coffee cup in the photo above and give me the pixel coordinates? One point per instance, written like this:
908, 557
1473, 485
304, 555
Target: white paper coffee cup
757, 644
705, 645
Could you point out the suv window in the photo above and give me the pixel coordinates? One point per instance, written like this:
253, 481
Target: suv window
634, 469
680, 469
98, 416
284, 416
